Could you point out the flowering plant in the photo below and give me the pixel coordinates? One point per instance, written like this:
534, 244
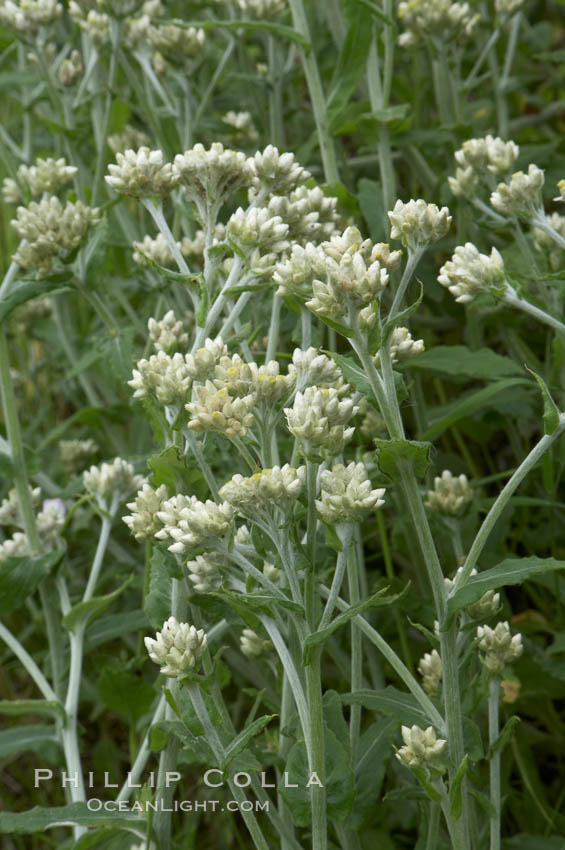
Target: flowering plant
281, 372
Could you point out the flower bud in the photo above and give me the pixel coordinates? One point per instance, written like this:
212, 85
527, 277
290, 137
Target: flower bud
177, 647
430, 669
422, 748
499, 646
521, 196
418, 224
189, 524
319, 416
346, 494
251, 644
143, 521
450, 494
468, 273
141, 173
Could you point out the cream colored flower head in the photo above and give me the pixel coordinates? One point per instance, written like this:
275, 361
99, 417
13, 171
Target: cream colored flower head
177, 647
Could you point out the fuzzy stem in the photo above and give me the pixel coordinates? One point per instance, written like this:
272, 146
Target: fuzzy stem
213, 739
511, 298
28, 663
345, 533
414, 258
494, 764
317, 763
308, 55
397, 665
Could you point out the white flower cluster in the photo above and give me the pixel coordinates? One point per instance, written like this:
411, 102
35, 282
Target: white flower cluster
204, 572
422, 747
431, 670
164, 377
156, 249
521, 196
346, 494
251, 644
262, 8
112, 482
130, 138
202, 363
143, 521
478, 159
418, 223
310, 214
10, 514
49, 520
264, 383
177, 647
320, 417
176, 43
499, 646
277, 173
71, 69
74, 453
438, 21
46, 175
450, 494
167, 334
257, 228
310, 368
26, 17
94, 23
141, 173
545, 243
402, 346
270, 487
469, 273
344, 271
216, 410
210, 177
51, 231
242, 125
189, 524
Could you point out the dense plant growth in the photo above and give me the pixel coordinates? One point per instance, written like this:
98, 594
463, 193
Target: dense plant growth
282, 351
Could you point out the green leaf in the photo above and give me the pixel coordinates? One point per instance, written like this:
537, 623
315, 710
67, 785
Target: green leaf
533, 842
96, 250
20, 739
374, 751
377, 600
255, 602
124, 692
241, 741
459, 362
551, 413
422, 777
455, 790
115, 626
483, 802
405, 709
505, 736
371, 203
84, 612
32, 706
157, 603
448, 415
511, 571
353, 373
19, 577
339, 781
394, 455
377, 11
350, 64
39, 819
23, 291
